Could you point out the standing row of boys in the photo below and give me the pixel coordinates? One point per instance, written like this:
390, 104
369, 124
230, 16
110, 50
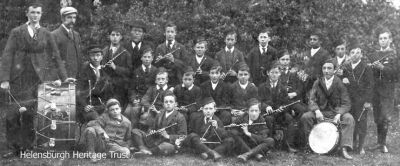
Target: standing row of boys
231, 104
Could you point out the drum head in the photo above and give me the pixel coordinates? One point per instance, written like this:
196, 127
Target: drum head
323, 137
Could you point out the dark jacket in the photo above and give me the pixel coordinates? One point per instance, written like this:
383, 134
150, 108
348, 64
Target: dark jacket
137, 54
239, 97
141, 82
258, 132
313, 66
220, 94
260, 63
185, 97
198, 126
229, 60
292, 83
176, 131
42, 53
206, 65
330, 102
70, 50
123, 70
361, 81
274, 97
151, 95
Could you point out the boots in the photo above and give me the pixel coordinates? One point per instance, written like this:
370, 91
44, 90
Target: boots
253, 152
345, 154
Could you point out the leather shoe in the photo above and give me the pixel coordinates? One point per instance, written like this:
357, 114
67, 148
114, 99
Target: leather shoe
362, 151
384, 149
345, 154
242, 158
292, 150
204, 156
216, 155
259, 157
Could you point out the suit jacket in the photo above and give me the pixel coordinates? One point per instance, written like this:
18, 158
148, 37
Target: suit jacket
136, 55
176, 131
260, 63
185, 96
361, 81
229, 60
175, 69
70, 50
220, 94
330, 102
274, 97
389, 74
313, 66
151, 95
239, 97
123, 70
42, 53
141, 82
258, 132
198, 126
206, 65
293, 84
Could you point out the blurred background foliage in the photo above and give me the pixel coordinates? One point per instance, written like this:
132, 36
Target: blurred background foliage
290, 20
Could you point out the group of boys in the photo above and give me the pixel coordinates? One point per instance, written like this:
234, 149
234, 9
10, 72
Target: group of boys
134, 99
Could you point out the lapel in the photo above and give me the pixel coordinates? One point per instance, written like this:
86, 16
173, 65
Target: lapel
323, 85
65, 32
25, 33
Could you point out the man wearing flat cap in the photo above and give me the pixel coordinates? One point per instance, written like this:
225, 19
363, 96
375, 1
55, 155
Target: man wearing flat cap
93, 87
69, 41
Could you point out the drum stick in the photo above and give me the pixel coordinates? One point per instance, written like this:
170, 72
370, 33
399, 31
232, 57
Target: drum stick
362, 112
15, 100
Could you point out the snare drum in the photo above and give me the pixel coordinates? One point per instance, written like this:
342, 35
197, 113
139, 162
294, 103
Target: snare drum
324, 138
56, 125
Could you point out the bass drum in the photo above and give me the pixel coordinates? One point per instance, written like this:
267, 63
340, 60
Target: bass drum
324, 138
56, 125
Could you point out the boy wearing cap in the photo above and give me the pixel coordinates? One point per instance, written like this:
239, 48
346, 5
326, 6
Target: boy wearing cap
93, 87
341, 58
187, 94
69, 41
171, 55
273, 94
137, 45
207, 134
359, 80
329, 99
120, 68
169, 126
218, 90
241, 91
229, 58
200, 62
111, 132
253, 137
261, 57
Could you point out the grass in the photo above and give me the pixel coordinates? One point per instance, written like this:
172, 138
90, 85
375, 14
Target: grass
275, 157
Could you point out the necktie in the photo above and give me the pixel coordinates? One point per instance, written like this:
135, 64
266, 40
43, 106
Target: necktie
147, 70
207, 120
264, 49
136, 49
169, 44
35, 33
70, 34
97, 73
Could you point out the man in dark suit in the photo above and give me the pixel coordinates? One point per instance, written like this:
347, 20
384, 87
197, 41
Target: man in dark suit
200, 62
168, 127
359, 80
29, 57
340, 59
171, 55
207, 134
329, 99
136, 45
260, 58
118, 65
314, 59
385, 66
229, 58
69, 41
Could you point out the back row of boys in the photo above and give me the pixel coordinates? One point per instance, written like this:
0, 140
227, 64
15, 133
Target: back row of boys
227, 80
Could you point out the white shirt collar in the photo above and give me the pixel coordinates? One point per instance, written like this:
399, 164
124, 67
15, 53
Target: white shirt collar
144, 67
261, 48
243, 86
341, 60
167, 114
229, 50
354, 65
199, 59
190, 88
214, 85
314, 50
205, 119
273, 84
134, 44
172, 43
65, 28
91, 66
328, 83
164, 88
250, 121
30, 30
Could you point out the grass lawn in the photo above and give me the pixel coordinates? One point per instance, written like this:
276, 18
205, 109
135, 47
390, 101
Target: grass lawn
275, 157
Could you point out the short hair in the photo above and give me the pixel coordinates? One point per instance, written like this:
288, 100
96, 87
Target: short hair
112, 102
385, 30
201, 40
147, 50
169, 93
115, 28
216, 67
275, 65
34, 5
266, 30
188, 74
161, 71
231, 33
330, 60
171, 24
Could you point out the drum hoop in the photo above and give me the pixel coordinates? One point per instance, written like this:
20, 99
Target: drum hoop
337, 139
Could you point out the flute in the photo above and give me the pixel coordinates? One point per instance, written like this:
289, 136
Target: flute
160, 130
90, 93
280, 109
224, 76
245, 124
201, 64
164, 56
112, 59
